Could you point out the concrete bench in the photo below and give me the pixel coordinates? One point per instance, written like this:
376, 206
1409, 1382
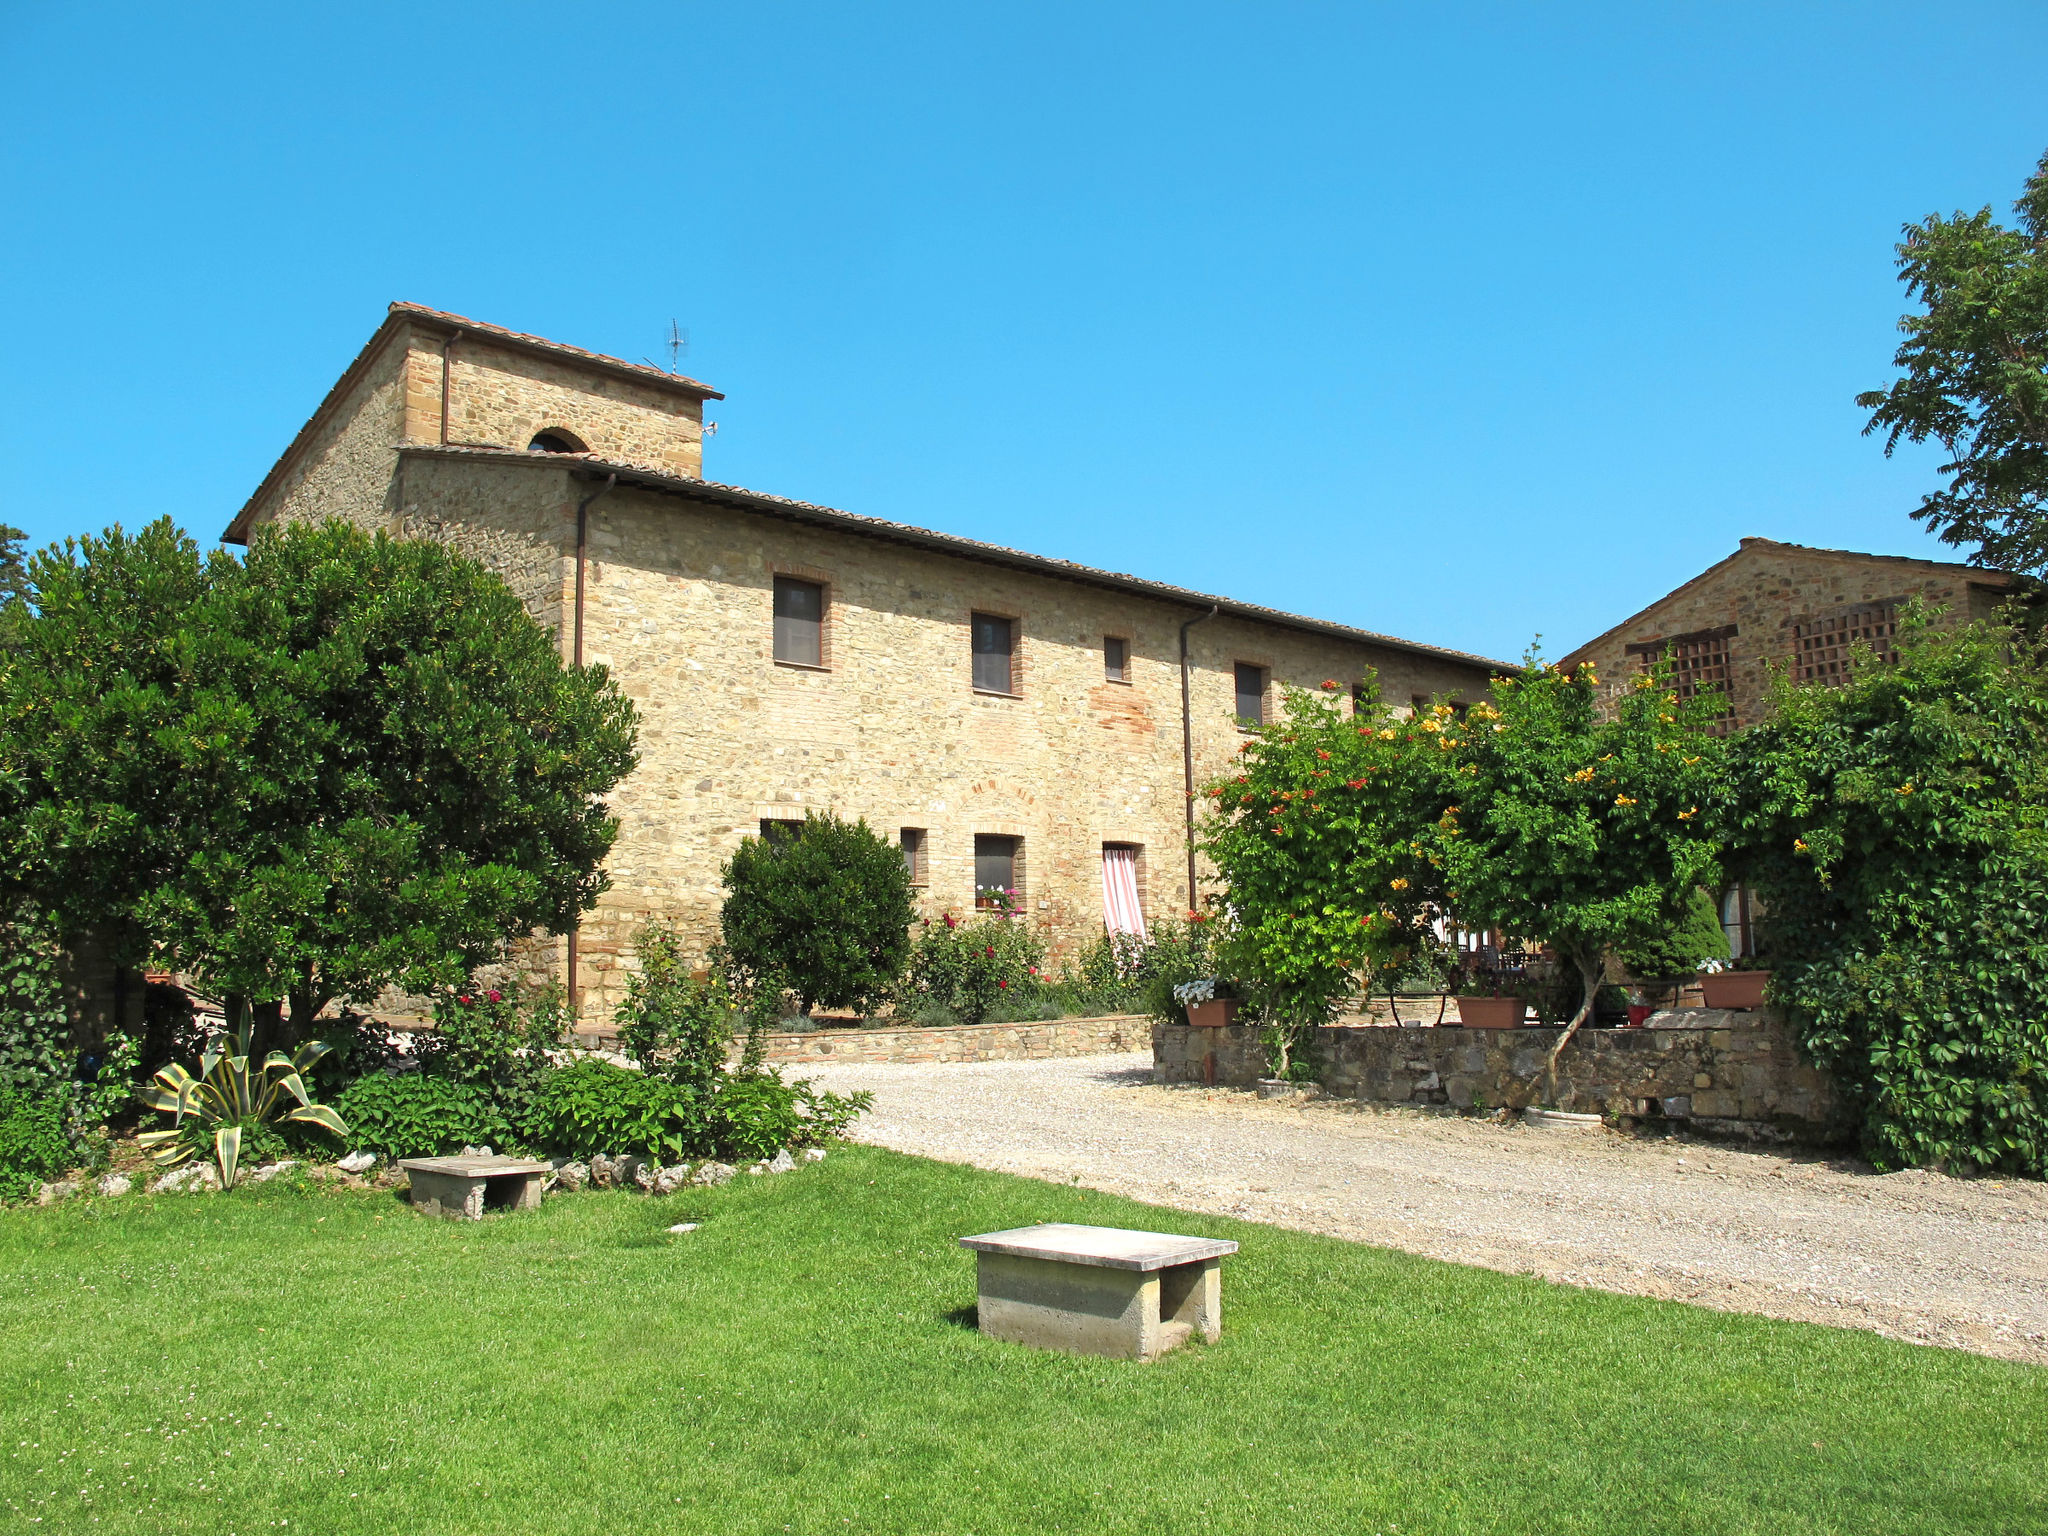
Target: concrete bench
464, 1188
1099, 1290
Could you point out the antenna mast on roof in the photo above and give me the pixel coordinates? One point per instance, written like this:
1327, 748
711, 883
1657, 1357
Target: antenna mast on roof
678, 346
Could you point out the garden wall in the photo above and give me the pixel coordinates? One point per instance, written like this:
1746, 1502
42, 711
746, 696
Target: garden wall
966, 1042
960, 1042
1720, 1071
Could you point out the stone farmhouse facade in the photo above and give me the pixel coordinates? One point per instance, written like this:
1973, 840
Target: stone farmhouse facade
1004, 717
1772, 605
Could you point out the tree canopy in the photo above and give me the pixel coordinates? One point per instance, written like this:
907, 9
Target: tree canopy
346, 762
1975, 376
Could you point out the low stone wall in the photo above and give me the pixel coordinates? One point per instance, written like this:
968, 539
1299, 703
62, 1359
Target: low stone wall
1721, 1071
966, 1042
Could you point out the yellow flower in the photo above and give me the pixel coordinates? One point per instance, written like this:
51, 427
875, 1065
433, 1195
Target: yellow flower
1688, 815
1644, 680
1799, 845
1498, 729
1387, 734
1431, 725
1398, 883
1623, 800
1583, 776
1689, 761
1906, 788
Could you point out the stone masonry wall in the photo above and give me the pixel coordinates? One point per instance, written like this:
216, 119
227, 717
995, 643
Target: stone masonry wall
1717, 1070
966, 1042
1766, 588
679, 607
346, 470
500, 398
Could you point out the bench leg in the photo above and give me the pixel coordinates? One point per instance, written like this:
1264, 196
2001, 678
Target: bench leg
1191, 1298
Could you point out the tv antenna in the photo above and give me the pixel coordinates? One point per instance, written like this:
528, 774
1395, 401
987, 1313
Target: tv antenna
678, 346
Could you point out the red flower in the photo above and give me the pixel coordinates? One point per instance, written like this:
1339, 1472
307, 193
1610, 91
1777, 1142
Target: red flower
949, 921
464, 999
1354, 783
990, 952
1332, 684
494, 997
1002, 984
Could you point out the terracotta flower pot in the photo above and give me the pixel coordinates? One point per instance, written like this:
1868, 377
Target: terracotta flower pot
1212, 1015
1735, 989
1490, 1012
1637, 1013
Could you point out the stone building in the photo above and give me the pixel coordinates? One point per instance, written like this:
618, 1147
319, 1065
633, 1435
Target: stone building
1006, 718
1772, 606
1785, 605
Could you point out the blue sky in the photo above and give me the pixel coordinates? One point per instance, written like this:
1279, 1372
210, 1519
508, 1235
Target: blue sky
1461, 322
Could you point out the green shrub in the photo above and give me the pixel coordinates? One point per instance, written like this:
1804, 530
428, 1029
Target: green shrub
35, 1143
1668, 954
1176, 953
495, 1038
967, 969
824, 912
420, 1116
676, 1027
593, 1106
1895, 830
756, 1114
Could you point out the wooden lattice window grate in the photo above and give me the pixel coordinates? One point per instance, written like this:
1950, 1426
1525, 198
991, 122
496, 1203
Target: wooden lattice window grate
1823, 646
1699, 664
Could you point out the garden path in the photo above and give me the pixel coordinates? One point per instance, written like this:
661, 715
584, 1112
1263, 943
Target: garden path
1782, 1233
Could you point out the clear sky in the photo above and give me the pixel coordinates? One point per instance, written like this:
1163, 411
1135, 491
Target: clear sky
1462, 322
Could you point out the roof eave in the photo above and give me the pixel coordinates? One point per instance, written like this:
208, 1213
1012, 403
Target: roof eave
593, 467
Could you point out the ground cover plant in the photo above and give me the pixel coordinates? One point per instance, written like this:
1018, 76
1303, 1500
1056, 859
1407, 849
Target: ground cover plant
806, 1361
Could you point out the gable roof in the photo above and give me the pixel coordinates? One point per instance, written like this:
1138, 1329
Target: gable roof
1982, 575
402, 313
642, 477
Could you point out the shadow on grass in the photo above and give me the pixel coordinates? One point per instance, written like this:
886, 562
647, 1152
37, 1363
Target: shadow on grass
963, 1317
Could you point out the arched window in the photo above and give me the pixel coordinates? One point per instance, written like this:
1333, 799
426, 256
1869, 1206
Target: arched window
556, 440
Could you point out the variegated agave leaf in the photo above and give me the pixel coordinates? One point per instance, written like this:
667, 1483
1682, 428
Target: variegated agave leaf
321, 1115
227, 1151
167, 1149
309, 1053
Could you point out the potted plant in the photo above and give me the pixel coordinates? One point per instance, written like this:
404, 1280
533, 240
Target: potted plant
1741, 985
1207, 1002
1488, 994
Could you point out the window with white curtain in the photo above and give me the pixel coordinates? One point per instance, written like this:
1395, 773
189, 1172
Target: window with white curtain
1121, 912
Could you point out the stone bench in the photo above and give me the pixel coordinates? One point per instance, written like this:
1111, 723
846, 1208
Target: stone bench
464, 1188
1099, 1290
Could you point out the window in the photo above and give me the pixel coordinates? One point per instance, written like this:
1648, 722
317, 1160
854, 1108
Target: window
995, 867
1251, 695
555, 440
774, 831
1738, 921
1361, 701
1418, 704
1823, 646
799, 622
1121, 910
1116, 659
1699, 664
994, 642
911, 840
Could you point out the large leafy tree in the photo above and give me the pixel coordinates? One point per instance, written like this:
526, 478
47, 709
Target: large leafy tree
1975, 376
1319, 837
1579, 825
347, 762
1896, 831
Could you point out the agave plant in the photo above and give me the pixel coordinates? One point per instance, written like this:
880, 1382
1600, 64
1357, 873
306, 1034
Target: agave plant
227, 1094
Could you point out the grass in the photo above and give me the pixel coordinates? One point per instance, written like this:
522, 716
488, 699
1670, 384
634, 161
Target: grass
284, 1359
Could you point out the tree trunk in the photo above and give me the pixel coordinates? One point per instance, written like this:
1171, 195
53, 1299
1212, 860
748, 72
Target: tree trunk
1591, 968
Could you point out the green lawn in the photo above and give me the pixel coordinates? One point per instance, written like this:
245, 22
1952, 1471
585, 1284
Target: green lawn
285, 1359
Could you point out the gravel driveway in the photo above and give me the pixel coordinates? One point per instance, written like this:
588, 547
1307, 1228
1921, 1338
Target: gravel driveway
1911, 1255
